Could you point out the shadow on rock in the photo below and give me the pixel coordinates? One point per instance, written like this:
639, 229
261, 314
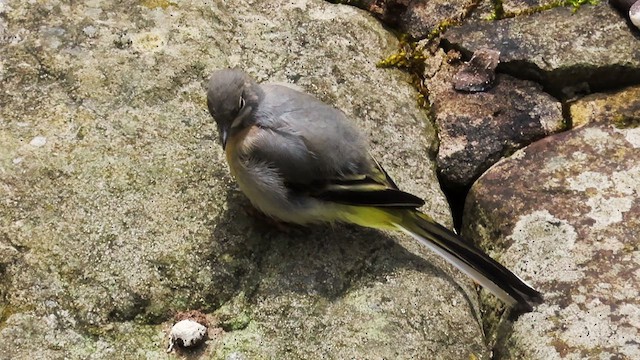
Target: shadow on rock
256, 258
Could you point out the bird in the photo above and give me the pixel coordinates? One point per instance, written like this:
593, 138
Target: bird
299, 160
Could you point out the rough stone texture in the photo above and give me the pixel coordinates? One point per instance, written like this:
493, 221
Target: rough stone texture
477, 129
486, 9
565, 211
623, 5
621, 107
479, 73
117, 209
576, 60
514, 6
483, 11
634, 14
416, 18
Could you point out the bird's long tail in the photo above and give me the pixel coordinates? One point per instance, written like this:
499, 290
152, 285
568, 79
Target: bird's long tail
492, 275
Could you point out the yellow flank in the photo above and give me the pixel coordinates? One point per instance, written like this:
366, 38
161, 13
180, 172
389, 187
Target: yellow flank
372, 217
319, 211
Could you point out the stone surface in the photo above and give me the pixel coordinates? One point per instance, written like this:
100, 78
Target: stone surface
634, 14
7, 253
416, 18
577, 60
623, 5
515, 6
117, 209
477, 129
486, 9
479, 73
565, 211
621, 108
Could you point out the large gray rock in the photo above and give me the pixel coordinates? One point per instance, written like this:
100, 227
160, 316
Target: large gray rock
583, 57
565, 211
118, 210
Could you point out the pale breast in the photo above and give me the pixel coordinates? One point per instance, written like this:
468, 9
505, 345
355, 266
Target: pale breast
264, 187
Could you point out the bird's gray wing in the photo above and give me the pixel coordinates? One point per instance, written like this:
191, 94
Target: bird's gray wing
318, 153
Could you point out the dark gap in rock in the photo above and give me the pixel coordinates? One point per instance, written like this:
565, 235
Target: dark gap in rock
456, 196
389, 13
574, 82
446, 45
566, 115
568, 83
4, 303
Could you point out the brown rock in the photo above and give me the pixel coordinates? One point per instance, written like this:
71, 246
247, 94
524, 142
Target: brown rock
515, 6
486, 9
565, 212
479, 73
477, 129
414, 17
621, 108
595, 50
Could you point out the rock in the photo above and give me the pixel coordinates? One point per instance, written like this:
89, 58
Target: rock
416, 18
515, 6
479, 73
621, 108
477, 129
487, 10
634, 14
629, 8
38, 141
8, 254
623, 5
567, 63
565, 212
132, 215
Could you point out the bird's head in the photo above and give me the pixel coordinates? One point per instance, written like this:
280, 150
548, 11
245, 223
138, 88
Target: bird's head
232, 97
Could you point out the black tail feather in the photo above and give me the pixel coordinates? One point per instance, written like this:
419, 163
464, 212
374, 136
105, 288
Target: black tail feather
492, 275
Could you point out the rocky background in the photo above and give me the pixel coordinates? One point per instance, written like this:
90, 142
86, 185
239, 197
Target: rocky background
118, 215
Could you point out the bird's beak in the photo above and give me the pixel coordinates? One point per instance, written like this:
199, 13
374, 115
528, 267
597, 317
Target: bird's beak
223, 136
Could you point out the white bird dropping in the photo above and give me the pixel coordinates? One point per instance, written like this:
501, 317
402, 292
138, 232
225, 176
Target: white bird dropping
187, 333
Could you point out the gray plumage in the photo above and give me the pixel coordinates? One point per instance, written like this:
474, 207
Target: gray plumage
304, 132
301, 161
300, 131
299, 143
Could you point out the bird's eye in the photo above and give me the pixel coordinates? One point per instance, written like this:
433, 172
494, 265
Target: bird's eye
241, 104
